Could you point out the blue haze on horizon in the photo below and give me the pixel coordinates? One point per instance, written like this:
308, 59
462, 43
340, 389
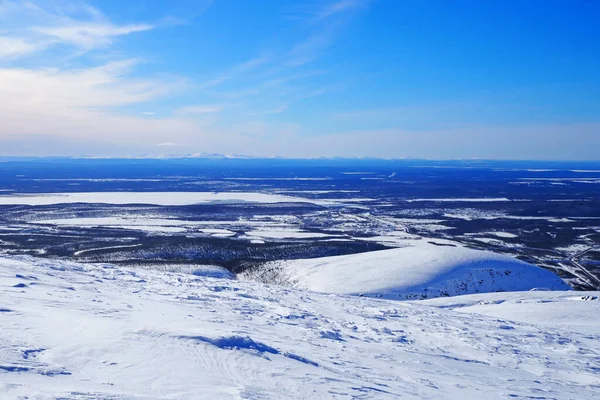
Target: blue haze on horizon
497, 79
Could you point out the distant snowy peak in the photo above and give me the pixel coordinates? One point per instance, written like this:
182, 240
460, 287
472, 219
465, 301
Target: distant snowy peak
418, 272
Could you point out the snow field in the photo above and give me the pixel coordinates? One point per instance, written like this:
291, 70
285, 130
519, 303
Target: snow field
75, 331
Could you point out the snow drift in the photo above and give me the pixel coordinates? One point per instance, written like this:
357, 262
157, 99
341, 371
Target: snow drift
417, 272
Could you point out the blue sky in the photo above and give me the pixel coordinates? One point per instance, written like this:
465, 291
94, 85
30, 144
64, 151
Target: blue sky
438, 79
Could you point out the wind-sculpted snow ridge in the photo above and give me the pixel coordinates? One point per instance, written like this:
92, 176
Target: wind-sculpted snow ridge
421, 271
72, 331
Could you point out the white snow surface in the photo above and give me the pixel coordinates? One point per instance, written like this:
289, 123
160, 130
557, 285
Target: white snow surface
72, 331
147, 224
463, 200
504, 234
286, 233
155, 198
420, 271
552, 308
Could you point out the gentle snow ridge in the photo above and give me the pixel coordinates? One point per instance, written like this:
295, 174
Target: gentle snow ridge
420, 271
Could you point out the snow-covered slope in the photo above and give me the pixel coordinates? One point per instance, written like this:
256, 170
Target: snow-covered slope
74, 331
416, 272
548, 309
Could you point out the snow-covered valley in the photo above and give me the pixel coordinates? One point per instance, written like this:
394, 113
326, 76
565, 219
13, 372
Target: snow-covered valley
99, 331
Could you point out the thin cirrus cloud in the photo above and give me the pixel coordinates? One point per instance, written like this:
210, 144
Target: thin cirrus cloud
232, 73
11, 47
169, 144
339, 7
82, 104
28, 27
107, 85
90, 35
326, 21
194, 110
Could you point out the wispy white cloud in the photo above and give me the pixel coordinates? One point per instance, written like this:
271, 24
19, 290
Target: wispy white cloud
325, 22
250, 64
233, 72
88, 36
315, 11
80, 103
15, 47
202, 109
293, 77
313, 47
107, 85
276, 109
339, 7
169, 144
28, 27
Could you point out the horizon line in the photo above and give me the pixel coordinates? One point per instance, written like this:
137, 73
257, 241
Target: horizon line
258, 158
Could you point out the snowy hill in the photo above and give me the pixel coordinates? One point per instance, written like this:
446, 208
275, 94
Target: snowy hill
74, 331
417, 272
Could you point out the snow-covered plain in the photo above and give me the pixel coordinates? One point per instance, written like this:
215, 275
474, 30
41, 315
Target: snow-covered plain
420, 271
147, 224
72, 331
286, 233
463, 200
155, 198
